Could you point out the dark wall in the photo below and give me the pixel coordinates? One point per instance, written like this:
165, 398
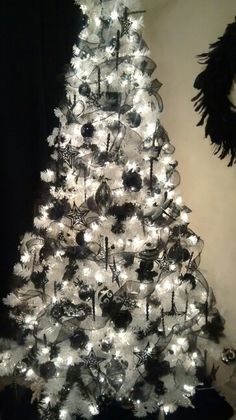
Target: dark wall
36, 38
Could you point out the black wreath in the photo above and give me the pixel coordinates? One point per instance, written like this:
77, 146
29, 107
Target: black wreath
212, 102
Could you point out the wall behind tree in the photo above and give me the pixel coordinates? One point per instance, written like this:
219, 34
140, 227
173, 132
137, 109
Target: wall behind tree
176, 32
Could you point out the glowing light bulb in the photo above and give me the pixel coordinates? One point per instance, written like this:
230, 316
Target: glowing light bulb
30, 373
47, 400
114, 15
63, 414
179, 200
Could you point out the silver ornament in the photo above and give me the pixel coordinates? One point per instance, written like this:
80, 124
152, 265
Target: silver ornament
228, 356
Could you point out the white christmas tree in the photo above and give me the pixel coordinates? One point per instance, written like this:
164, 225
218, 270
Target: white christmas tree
111, 303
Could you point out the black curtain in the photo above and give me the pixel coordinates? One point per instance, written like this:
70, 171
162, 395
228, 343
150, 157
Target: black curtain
36, 39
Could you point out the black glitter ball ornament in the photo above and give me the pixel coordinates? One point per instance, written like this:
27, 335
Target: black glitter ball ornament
134, 119
87, 130
85, 293
57, 311
47, 370
132, 181
178, 254
79, 340
122, 319
84, 89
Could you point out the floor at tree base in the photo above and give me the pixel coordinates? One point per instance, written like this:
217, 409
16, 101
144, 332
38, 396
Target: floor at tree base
15, 405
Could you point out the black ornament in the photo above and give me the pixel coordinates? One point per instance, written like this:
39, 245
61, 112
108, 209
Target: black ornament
178, 254
145, 271
47, 370
128, 258
140, 391
84, 89
79, 340
118, 228
80, 311
156, 369
73, 373
63, 393
189, 278
57, 311
134, 119
105, 295
215, 327
122, 212
86, 293
39, 279
160, 388
58, 210
80, 238
132, 181
87, 130
122, 319
228, 356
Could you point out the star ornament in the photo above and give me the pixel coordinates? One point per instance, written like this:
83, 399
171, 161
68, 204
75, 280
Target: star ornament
78, 216
143, 355
92, 361
67, 154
